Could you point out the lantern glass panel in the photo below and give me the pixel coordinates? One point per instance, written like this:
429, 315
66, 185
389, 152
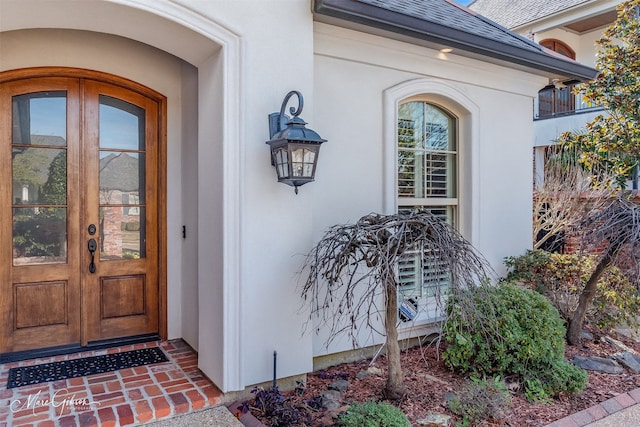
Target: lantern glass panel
281, 159
302, 161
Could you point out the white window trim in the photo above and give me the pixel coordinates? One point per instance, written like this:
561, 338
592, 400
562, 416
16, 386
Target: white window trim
467, 113
434, 201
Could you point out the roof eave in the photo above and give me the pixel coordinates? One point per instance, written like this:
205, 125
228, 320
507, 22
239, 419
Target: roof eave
371, 16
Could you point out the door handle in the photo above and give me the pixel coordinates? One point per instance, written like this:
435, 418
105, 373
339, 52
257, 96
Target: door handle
92, 245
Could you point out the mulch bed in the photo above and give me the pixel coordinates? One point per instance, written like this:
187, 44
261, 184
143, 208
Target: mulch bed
427, 380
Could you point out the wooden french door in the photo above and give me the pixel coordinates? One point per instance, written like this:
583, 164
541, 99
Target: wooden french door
79, 217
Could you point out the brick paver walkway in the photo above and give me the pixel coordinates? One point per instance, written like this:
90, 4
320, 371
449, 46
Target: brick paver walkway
125, 397
600, 411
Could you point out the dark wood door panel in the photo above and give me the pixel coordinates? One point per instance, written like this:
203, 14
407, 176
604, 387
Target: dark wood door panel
40, 304
44, 313
122, 296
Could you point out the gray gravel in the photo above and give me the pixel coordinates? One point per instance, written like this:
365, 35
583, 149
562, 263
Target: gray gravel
218, 416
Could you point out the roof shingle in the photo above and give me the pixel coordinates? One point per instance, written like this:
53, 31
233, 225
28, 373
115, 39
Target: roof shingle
453, 16
514, 13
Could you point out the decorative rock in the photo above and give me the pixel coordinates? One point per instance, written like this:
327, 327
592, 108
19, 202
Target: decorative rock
629, 331
434, 420
374, 371
434, 379
363, 374
587, 335
619, 344
339, 385
598, 364
332, 394
628, 360
330, 399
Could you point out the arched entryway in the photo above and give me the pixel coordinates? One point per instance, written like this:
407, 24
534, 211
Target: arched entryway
203, 297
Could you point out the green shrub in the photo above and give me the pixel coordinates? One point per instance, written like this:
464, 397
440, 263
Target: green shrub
562, 277
480, 400
372, 414
512, 328
555, 377
534, 391
511, 331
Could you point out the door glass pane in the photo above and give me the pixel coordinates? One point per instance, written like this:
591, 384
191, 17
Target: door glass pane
40, 119
122, 180
39, 235
122, 232
121, 177
121, 124
39, 178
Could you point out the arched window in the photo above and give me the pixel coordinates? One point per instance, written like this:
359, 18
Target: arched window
552, 100
427, 159
558, 46
427, 169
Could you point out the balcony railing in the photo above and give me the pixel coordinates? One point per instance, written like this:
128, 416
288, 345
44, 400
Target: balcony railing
555, 102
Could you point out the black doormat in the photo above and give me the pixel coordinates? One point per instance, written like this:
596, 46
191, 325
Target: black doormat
36, 374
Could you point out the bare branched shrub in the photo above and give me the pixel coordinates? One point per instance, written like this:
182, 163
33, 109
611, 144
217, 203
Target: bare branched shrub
566, 194
353, 268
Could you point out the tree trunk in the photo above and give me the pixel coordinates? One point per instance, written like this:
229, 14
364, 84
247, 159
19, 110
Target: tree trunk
394, 390
574, 332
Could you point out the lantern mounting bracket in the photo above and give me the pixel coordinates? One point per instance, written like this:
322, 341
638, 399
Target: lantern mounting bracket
278, 121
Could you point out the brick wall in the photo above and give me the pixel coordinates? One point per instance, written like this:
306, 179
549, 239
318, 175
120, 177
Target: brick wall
112, 231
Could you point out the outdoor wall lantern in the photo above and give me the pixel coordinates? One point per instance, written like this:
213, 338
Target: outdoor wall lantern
294, 148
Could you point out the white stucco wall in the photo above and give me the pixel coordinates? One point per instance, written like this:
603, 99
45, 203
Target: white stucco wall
547, 131
586, 48
276, 224
353, 71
